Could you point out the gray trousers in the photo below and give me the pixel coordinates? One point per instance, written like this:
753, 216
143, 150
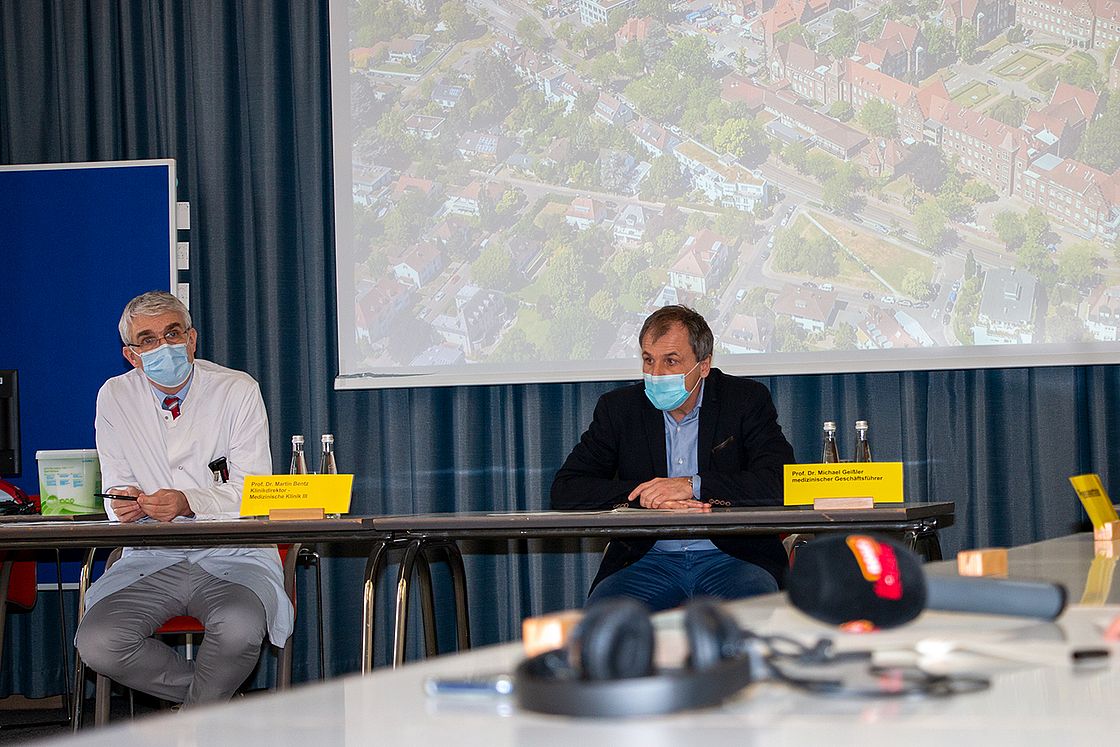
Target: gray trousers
115, 635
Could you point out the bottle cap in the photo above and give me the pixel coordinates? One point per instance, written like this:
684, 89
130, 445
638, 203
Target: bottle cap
328, 438
829, 425
861, 425
297, 440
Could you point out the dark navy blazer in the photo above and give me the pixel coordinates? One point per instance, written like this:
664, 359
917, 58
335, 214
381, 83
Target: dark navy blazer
740, 454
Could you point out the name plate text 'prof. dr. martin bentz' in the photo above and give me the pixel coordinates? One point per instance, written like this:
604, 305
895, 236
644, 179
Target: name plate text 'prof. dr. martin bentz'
263, 493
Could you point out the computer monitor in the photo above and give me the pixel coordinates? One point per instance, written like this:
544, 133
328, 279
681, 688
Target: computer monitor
9, 423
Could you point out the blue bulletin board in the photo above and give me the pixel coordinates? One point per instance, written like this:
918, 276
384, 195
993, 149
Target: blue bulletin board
77, 241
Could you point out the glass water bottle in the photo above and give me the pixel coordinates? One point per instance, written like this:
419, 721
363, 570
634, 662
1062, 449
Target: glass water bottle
327, 464
299, 462
829, 452
863, 446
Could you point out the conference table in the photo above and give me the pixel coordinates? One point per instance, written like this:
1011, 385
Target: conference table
1036, 696
64, 532
84, 533
422, 535
425, 535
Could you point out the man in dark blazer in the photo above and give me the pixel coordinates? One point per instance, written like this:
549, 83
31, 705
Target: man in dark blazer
688, 437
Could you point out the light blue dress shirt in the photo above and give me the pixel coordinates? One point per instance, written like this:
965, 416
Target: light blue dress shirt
681, 440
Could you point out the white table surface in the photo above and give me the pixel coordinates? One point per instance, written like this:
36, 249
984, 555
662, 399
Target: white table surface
1036, 697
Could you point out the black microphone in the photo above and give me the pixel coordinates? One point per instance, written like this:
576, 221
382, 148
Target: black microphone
862, 581
997, 596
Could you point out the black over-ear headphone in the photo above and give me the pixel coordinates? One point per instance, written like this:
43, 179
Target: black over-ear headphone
607, 667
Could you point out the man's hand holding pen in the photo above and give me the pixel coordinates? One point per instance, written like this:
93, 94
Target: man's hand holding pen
125, 503
129, 504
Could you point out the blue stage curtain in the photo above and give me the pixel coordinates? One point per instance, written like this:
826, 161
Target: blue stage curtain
238, 94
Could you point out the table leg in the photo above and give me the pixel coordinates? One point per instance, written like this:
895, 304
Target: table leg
925, 542
454, 558
404, 581
310, 556
79, 665
66, 642
459, 581
374, 564
427, 603
5, 576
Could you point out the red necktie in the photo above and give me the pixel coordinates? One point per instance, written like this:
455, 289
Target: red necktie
172, 405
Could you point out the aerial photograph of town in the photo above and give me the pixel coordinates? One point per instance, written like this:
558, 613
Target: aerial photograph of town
530, 178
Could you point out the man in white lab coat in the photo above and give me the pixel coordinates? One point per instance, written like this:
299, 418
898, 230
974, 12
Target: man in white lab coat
159, 427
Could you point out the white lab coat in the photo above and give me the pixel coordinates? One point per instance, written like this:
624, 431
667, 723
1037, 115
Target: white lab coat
140, 444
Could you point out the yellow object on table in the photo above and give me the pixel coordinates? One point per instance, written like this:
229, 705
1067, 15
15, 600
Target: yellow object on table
804, 484
265, 494
1095, 500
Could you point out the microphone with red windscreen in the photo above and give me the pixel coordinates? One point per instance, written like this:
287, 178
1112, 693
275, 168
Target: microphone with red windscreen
863, 582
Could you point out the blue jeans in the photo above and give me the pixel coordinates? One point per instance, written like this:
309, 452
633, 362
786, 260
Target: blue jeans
663, 580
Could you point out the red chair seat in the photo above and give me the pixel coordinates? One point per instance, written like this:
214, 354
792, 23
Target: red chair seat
185, 624
22, 586
181, 624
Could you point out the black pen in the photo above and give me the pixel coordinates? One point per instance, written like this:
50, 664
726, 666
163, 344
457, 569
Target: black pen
115, 497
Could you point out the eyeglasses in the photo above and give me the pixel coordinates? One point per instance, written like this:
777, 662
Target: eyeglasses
151, 342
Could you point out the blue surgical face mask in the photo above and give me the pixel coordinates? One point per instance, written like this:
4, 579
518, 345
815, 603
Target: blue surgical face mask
167, 365
668, 392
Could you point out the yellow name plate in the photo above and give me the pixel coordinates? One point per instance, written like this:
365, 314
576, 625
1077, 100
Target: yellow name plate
804, 483
1095, 499
262, 493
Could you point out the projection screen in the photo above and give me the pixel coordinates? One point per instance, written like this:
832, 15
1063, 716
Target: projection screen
836, 185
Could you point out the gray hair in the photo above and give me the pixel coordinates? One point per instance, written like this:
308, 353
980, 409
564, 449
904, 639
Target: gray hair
700, 336
152, 303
